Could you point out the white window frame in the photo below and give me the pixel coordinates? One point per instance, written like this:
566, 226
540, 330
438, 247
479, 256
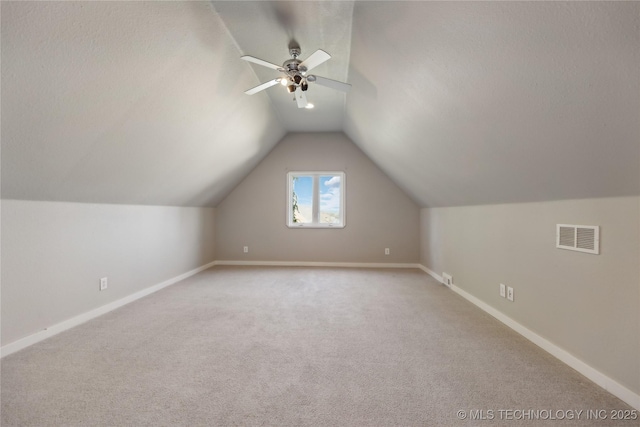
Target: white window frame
315, 223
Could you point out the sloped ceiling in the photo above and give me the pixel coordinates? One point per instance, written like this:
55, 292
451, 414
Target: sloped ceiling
468, 103
458, 102
127, 102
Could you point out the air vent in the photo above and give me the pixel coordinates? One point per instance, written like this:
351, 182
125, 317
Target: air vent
581, 238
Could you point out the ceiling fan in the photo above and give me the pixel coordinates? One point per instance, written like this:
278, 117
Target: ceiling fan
296, 75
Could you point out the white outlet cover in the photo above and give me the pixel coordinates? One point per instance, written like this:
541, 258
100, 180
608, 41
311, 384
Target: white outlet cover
509, 293
103, 283
447, 279
503, 291
386, 251
246, 249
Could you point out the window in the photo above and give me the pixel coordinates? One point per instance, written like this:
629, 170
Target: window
315, 199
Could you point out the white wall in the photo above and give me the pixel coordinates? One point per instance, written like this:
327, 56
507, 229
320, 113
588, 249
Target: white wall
378, 214
585, 304
53, 255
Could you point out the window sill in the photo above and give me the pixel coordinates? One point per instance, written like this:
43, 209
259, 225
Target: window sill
301, 226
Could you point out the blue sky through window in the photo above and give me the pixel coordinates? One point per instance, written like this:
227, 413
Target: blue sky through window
303, 186
318, 198
330, 194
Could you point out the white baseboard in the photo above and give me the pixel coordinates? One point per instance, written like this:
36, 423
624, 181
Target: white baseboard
82, 318
431, 273
593, 374
317, 264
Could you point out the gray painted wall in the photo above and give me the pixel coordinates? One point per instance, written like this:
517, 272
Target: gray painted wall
586, 304
54, 253
378, 214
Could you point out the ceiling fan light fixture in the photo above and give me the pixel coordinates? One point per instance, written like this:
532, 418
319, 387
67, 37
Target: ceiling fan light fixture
295, 75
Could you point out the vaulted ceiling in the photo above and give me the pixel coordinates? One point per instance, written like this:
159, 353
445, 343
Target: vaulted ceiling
458, 102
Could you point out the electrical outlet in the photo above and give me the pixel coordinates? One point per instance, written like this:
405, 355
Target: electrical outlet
447, 279
503, 291
509, 293
246, 249
386, 251
103, 284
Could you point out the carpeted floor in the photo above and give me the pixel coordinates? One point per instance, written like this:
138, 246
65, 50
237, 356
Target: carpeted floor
296, 347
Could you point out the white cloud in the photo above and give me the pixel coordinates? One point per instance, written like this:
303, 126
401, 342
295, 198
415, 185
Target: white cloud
330, 201
335, 180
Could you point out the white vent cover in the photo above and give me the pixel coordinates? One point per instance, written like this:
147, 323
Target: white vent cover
581, 238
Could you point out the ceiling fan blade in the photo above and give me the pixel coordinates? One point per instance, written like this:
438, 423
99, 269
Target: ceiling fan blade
316, 58
262, 86
333, 84
301, 98
261, 62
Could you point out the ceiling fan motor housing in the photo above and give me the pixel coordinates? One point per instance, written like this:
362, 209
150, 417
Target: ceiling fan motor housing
293, 71
291, 64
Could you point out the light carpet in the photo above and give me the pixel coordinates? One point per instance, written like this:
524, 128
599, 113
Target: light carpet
296, 347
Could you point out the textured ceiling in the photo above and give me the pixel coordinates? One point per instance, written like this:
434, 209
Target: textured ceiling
126, 102
494, 102
458, 102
